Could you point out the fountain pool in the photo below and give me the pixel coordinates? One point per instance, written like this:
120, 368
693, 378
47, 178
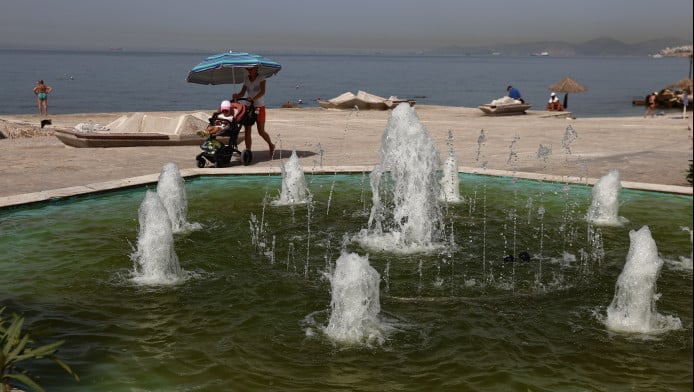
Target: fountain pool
253, 310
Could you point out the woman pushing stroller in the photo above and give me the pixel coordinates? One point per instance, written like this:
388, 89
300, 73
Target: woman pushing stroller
254, 86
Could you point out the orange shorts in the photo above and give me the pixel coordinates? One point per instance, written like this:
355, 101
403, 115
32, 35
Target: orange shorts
261, 114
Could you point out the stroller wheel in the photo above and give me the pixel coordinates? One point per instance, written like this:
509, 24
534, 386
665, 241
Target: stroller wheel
201, 162
246, 157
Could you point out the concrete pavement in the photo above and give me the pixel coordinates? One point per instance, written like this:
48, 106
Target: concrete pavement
649, 153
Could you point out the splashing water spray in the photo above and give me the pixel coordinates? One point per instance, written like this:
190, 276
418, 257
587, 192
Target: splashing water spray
405, 216
633, 308
172, 192
155, 260
604, 206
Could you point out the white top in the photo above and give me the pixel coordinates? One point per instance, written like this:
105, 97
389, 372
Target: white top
253, 88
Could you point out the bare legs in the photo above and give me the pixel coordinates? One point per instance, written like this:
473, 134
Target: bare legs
43, 107
262, 133
649, 110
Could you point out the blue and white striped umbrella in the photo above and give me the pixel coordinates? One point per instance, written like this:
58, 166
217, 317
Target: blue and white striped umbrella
230, 68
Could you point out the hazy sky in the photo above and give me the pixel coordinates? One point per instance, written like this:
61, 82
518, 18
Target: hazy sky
325, 24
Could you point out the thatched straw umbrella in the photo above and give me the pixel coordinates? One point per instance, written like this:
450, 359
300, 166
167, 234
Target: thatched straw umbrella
567, 85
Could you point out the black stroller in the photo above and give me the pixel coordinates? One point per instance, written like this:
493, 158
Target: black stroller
215, 151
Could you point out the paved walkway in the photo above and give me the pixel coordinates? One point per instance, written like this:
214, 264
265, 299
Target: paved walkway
649, 153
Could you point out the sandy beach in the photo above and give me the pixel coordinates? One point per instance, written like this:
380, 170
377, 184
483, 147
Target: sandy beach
36, 165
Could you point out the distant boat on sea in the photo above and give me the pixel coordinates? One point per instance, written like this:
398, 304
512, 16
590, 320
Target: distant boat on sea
657, 56
540, 54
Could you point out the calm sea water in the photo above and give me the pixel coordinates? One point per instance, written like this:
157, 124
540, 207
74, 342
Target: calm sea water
89, 82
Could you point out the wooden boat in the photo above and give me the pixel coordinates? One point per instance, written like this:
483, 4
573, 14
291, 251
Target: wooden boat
74, 138
139, 129
504, 110
328, 105
343, 101
78, 139
362, 101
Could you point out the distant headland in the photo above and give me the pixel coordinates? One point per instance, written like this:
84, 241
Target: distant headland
664, 47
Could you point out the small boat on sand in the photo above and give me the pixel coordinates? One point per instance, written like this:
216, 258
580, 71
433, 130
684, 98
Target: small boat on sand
504, 110
137, 129
74, 138
362, 101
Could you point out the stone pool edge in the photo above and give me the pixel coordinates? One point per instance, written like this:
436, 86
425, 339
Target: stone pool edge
60, 193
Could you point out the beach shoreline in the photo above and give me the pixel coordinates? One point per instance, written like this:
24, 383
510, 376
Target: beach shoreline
650, 151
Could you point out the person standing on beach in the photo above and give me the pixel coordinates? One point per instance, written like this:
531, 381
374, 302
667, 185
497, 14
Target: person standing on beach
650, 105
514, 93
254, 87
41, 90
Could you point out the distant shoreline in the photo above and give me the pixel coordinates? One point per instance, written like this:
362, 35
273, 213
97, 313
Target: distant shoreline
553, 49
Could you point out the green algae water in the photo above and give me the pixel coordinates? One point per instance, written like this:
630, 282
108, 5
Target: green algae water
252, 309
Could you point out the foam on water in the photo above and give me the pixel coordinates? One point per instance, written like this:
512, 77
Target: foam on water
155, 260
355, 303
604, 206
294, 190
633, 308
172, 192
405, 215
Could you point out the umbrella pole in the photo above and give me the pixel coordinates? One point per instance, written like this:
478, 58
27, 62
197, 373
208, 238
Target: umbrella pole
566, 101
233, 85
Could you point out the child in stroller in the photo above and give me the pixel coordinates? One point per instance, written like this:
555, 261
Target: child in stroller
225, 122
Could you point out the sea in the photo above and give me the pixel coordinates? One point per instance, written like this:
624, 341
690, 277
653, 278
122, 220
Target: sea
123, 81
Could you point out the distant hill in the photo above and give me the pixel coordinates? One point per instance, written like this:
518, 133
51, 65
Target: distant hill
603, 46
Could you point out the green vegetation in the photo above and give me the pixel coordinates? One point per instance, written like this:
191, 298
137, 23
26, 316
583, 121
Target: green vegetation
15, 347
689, 174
